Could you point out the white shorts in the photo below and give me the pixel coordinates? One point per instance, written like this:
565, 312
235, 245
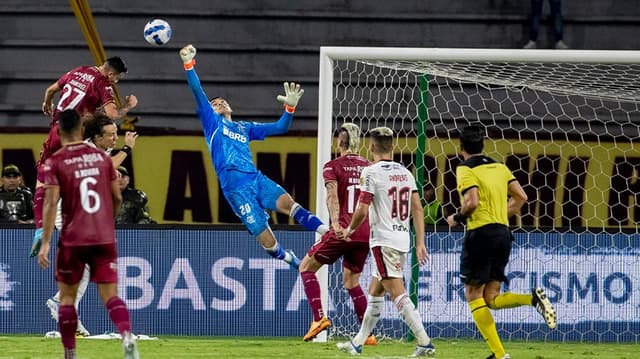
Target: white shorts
389, 262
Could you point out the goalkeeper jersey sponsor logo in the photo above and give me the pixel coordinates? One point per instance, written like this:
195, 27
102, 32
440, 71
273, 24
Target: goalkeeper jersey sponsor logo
233, 135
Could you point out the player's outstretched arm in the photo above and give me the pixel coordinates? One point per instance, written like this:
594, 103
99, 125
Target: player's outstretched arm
292, 94
188, 54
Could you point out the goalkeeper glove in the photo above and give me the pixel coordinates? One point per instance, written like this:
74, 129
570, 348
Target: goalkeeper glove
37, 242
292, 94
187, 55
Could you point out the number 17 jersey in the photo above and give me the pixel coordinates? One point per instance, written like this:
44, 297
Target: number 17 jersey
387, 187
346, 170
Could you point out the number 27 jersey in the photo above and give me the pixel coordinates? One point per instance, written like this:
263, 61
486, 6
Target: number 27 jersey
387, 187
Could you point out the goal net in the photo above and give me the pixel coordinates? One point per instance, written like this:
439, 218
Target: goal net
566, 123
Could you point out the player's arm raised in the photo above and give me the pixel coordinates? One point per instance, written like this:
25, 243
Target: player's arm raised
292, 94
47, 103
188, 54
115, 113
129, 144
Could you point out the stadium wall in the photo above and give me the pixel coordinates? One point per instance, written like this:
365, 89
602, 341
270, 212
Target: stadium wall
212, 281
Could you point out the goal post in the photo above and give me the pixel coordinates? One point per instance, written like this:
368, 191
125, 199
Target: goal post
566, 123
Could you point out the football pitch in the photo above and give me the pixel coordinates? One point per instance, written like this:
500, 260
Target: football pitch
37, 347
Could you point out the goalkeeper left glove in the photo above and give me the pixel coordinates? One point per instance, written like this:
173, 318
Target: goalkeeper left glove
187, 54
292, 94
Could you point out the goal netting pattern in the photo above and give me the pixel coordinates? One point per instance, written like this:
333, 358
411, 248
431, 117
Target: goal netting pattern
566, 123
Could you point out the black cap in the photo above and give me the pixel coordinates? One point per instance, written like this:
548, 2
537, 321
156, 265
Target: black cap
123, 171
11, 170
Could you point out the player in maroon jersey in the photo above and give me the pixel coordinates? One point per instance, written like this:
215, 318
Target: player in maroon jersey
342, 181
84, 178
101, 132
85, 89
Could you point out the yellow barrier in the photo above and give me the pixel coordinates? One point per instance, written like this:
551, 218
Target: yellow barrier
177, 175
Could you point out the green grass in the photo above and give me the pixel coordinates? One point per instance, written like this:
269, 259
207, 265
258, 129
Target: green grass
22, 347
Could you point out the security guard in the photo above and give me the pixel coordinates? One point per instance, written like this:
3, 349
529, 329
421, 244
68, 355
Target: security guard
134, 203
16, 201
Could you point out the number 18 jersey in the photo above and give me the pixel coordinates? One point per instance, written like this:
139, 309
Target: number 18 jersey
84, 175
387, 187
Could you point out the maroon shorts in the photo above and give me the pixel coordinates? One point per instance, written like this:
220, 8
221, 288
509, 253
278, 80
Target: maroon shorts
70, 262
330, 249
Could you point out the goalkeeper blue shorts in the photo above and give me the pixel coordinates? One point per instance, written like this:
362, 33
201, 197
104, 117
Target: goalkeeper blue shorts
249, 199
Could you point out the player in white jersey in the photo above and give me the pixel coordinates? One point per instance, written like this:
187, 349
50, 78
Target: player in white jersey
389, 195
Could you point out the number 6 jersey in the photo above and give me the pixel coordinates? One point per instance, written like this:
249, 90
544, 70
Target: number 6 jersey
387, 187
84, 175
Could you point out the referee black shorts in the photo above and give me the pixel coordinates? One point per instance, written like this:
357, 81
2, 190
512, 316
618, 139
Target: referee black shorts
485, 253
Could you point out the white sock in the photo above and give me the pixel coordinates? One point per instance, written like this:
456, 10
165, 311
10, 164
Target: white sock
369, 320
411, 317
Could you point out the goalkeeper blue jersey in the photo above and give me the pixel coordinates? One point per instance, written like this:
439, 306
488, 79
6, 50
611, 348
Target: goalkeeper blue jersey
228, 141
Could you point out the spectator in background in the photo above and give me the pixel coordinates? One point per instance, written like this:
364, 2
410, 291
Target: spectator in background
134, 203
431, 206
16, 201
536, 17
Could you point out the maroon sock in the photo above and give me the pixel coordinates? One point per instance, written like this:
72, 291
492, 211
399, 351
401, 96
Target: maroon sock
312, 289
119, 314
359, 301
68, 324
38, 201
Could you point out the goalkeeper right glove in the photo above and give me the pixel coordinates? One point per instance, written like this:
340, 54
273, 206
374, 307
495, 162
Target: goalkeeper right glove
187, 55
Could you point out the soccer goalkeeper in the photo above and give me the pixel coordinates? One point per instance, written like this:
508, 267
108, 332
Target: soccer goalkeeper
248, 191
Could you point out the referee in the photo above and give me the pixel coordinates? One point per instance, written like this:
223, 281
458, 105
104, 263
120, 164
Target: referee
489, 194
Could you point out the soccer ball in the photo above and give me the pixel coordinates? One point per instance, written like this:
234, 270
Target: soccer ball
157, 32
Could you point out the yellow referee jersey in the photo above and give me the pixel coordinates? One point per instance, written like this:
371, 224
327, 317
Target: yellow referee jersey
492, 180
